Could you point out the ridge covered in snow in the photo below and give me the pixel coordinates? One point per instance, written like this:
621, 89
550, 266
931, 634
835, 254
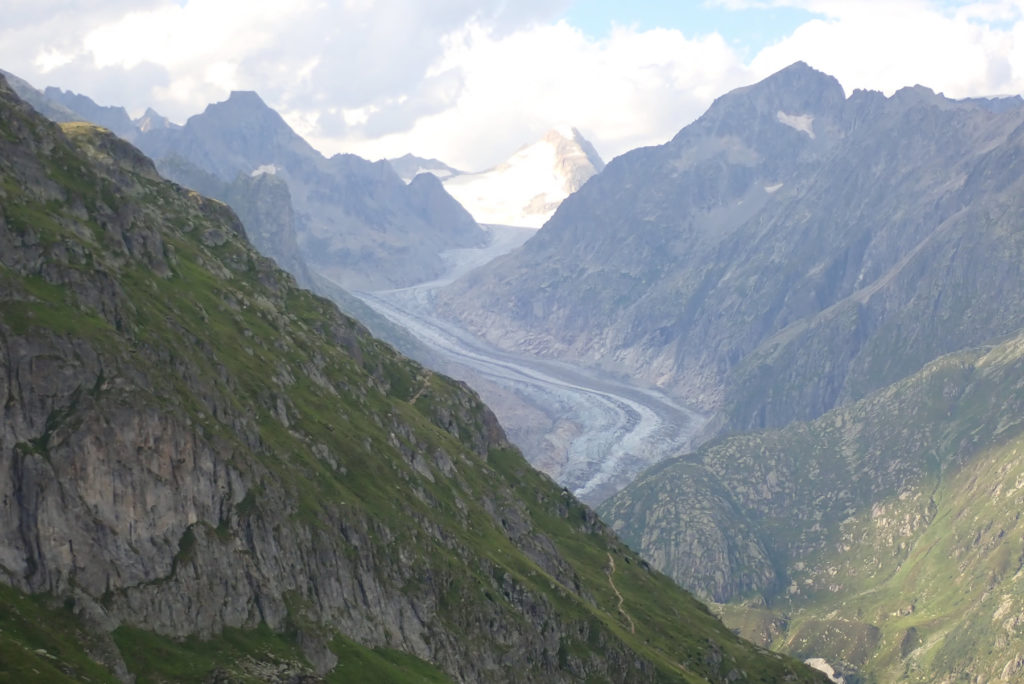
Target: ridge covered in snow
526, 189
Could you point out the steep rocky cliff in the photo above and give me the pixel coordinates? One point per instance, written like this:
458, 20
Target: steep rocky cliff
791, 250
207, 473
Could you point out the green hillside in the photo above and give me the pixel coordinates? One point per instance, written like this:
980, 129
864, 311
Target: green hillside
886, 534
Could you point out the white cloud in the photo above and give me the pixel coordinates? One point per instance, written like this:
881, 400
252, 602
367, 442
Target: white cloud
640, 87
302, 54
886, 46
629, 89
469, 81
175, 36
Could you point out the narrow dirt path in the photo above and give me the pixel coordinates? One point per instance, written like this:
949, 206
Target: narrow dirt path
611, 581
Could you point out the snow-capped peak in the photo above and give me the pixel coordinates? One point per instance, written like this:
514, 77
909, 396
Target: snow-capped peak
526, 189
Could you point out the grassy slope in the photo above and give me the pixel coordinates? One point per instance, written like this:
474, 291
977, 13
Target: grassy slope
908, 564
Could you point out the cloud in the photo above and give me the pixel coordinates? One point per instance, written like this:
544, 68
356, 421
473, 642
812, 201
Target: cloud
640, 87
469, 81
301, 54
632, 88
959, 49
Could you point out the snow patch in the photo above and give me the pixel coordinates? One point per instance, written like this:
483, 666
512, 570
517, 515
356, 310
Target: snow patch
264, 168
770, 189
820, 665
801, 122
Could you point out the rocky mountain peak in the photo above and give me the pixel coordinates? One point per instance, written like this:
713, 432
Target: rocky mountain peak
238, 135
246, 98
795, 96
569, 144
798, 87
243, 107
153, 120
919, 95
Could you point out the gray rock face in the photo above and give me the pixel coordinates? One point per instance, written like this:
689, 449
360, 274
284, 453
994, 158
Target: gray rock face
789, 251
152, 120
356, 221
692, 529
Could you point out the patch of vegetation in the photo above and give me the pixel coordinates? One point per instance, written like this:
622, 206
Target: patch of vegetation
238, 655
360, 664
894, 523
44, 642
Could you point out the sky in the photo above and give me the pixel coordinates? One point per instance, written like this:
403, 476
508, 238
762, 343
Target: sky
471, 81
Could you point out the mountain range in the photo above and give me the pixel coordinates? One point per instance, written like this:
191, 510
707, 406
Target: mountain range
213, 475
263, 200
838, 281
884, 536
356, 221
790, 251
352, 221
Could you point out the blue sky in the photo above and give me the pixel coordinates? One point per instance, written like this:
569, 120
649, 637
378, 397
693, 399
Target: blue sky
748, 29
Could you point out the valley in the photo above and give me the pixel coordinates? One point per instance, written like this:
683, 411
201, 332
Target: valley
781, 356
600, 433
